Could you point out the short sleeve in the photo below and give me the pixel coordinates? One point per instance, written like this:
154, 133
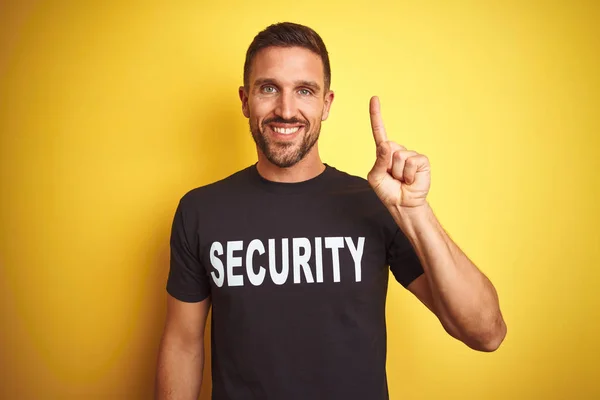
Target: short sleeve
403, 260
188, 280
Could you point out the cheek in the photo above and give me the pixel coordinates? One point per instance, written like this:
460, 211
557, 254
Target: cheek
261, 106
260, 110
312, 114
311, 106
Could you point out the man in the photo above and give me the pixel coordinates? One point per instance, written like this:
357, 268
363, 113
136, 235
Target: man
294, 255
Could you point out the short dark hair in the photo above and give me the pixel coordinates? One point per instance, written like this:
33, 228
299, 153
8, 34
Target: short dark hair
288, 34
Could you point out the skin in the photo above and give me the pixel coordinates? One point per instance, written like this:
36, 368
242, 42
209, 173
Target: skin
181, 351
286, 90
452, 287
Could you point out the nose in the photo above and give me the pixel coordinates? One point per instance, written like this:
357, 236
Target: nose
286, 107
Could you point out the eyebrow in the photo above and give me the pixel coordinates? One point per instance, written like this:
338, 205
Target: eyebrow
310, 84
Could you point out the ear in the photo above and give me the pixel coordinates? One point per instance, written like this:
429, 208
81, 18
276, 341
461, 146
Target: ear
244, 98
327, 105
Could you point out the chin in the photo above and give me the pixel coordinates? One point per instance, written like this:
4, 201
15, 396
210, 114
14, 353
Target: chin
284, 162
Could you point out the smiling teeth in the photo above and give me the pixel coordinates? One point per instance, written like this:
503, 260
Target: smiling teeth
286, 131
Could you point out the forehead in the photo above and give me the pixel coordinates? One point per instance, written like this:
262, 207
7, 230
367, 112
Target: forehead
287, 64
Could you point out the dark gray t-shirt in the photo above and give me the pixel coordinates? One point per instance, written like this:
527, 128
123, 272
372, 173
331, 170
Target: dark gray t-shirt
298, 276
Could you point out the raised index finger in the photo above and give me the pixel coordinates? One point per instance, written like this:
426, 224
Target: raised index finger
376, 121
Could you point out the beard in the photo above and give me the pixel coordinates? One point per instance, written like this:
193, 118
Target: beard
286, 154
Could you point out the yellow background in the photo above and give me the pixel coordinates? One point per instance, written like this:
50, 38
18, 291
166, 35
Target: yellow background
109, 113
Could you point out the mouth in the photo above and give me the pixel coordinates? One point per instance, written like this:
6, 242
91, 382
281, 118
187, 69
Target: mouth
285, 132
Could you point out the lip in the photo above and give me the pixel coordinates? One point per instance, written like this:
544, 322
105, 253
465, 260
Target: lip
282, 136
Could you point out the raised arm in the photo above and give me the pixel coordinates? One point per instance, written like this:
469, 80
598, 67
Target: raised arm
461, 296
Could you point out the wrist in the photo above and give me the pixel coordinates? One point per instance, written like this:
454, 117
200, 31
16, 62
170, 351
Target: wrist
409, 218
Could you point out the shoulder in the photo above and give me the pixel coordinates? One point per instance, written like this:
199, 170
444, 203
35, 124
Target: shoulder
350, 181
213, 191
355, 188
363, 199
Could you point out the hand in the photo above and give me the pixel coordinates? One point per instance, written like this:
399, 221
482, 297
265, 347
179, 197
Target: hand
399, 177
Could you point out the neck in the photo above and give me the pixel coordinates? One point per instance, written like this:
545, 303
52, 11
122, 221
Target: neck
307, 168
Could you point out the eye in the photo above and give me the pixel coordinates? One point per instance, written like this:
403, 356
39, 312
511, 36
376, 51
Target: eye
305, 92
268, 89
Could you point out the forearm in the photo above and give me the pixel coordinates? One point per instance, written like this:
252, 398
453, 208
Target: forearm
465, 300
179, 371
